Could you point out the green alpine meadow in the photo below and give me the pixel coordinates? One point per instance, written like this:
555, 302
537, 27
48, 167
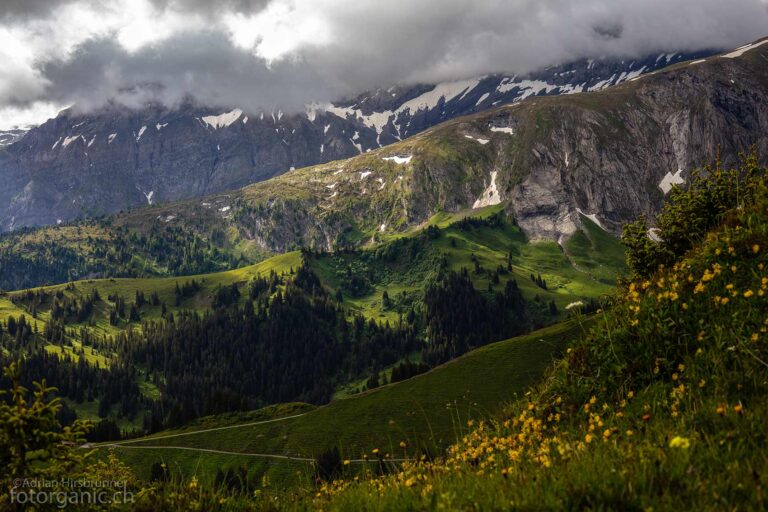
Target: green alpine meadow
364, 256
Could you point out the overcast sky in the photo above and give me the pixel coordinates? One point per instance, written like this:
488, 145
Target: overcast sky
261, 54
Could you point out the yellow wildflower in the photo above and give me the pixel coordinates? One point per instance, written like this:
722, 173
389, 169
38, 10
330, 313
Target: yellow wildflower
748, 294
680, 442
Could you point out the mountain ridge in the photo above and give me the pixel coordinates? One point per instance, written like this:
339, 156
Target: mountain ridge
524, 155
84, 165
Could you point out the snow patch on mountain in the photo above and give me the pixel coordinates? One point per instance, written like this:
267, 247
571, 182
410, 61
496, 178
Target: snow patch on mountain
503, 129
490, 195
667, 57
148, 195
671, 179
444, 92
225, 119
398, 159
70, 140
603, 83
593, 218
482, 98
738, 52
478, 139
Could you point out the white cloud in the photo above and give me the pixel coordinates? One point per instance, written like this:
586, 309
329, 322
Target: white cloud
29, 115
281, 29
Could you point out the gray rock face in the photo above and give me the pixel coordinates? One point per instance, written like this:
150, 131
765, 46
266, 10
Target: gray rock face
617, 159
88, 165
608, 156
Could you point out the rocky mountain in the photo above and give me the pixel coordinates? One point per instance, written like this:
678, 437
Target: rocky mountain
81, 165
555, 164
551, 161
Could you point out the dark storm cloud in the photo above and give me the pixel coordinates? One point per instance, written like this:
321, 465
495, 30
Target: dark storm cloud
373, 43
42, 8
29, 7
208, 7
102, 70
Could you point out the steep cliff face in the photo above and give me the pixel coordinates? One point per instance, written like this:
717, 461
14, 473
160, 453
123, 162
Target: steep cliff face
81, 165
551, 161
616, 154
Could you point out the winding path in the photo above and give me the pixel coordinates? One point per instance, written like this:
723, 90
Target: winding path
123, 444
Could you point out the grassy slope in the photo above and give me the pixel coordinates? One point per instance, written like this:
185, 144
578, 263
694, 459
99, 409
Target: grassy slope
429, 411
661, 407
597, 257
595, 252
163, 286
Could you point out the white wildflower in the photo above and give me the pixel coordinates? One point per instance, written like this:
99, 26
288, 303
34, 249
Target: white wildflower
573, 305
